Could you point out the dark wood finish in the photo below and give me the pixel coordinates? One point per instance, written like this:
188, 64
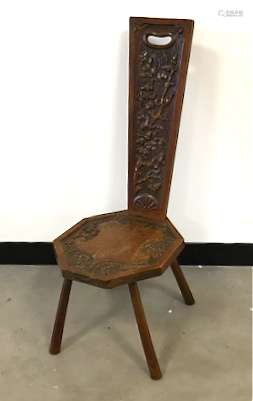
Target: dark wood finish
146, 340
117, 248
182, 283
55, 346
156, 89
135, 244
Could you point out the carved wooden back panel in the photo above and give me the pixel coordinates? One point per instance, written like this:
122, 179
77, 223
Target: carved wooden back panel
157, 75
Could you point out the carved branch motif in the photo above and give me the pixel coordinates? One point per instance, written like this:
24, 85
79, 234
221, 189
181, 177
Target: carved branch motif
91, 265
157, 78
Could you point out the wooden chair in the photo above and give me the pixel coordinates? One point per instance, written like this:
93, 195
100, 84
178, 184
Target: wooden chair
138, 243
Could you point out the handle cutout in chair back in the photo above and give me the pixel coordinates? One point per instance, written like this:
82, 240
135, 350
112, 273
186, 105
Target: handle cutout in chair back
160, 41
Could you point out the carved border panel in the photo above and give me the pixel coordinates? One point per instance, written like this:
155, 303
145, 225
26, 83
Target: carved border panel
155, 73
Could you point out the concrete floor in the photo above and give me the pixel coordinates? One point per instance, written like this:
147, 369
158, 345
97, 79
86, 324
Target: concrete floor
204, 350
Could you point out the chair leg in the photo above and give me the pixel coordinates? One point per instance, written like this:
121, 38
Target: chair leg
146, 340
55, 346
182, 283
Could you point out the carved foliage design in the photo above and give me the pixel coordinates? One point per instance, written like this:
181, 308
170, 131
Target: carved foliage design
92, 266
157, 74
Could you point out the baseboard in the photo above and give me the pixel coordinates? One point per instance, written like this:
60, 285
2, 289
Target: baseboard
42, 253
220, 254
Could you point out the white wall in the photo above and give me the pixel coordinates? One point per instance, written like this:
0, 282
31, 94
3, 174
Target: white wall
63, 122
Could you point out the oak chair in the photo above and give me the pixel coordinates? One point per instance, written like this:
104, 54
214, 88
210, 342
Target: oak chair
138, 243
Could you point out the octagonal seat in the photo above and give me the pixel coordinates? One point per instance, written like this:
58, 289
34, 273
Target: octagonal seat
116, 248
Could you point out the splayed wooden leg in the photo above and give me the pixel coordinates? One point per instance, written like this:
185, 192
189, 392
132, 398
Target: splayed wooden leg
55, 346
182, 283
149, 351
